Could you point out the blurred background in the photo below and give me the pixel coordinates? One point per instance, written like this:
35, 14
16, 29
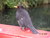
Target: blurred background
39, 11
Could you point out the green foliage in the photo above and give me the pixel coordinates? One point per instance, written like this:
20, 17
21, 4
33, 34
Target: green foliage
0, 7
12, 3
2, 4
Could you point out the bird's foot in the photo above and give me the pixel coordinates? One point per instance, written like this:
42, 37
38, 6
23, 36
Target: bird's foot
23, 28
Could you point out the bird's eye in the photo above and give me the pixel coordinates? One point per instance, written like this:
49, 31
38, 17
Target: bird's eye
17, 6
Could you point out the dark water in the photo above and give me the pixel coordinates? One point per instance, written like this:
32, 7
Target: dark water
40, 17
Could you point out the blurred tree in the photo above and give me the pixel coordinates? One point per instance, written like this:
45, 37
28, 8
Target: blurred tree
26, 3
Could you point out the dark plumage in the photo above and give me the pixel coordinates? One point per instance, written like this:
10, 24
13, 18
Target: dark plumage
24, 20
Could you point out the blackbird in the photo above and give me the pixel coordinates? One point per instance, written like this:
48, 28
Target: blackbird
24, 19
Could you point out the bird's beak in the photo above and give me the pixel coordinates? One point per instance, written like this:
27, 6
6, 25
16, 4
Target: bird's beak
15, 6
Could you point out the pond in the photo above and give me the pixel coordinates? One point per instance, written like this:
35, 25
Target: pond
40, 17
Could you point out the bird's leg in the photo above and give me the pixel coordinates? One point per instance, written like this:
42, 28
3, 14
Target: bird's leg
23, 28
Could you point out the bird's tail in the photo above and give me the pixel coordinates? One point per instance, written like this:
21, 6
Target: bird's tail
33, 30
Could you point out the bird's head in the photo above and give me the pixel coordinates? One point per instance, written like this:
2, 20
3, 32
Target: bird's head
19, 6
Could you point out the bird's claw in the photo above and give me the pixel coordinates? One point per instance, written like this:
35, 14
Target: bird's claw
23, 28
